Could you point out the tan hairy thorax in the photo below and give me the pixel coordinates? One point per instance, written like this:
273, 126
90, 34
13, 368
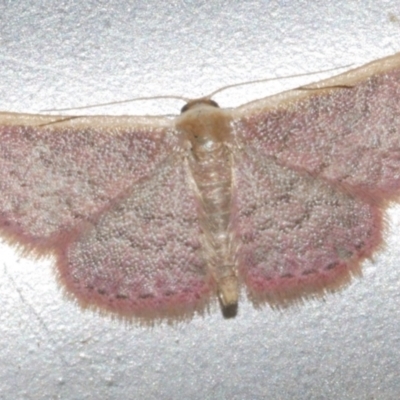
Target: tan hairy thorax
208, 130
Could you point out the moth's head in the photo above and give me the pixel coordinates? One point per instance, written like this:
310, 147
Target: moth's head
202, 121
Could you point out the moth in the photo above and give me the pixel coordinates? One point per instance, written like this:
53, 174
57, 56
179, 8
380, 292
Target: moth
153, 217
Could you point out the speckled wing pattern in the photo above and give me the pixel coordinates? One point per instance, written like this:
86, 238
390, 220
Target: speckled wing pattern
298, 235
113, 198
319, 166
144, 253
112, 202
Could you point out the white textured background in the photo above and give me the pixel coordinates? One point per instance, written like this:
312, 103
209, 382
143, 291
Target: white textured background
57, 54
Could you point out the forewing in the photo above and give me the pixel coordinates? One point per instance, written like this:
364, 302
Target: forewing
345, 130
143, 257
297, 235
56, 174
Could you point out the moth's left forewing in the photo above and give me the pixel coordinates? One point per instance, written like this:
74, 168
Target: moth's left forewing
345, 129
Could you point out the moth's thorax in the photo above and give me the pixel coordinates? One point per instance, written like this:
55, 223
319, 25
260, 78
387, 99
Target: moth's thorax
207, 129
204, 123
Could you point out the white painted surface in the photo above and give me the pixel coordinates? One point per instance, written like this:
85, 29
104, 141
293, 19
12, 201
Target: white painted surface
57, 55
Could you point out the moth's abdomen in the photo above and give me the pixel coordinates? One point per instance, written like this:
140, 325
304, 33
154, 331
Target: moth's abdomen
207, 129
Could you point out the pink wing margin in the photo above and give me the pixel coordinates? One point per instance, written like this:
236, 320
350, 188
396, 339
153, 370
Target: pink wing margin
97, 193
320, 166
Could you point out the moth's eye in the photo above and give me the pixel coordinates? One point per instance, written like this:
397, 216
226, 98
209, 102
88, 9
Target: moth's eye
185, 108
198, 102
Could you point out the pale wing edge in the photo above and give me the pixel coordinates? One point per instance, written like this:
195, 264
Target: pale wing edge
349, 78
